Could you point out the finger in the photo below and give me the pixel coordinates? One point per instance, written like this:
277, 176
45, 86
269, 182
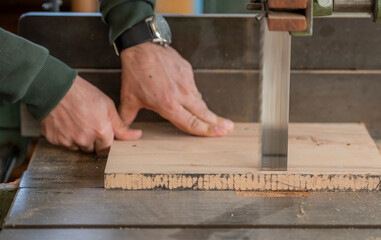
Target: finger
51, 138
103, 142
48, 132
189, 123
198, 107
67, 143
73, 148
128, 113
88, 148
85, 141
121, 131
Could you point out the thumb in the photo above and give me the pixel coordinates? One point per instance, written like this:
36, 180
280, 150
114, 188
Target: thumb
128, 112
121, 130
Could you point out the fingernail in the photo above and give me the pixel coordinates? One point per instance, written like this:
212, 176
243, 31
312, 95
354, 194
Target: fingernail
229, 125
136, 133
219, 130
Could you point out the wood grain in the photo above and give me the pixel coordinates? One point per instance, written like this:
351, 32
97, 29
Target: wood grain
333, 157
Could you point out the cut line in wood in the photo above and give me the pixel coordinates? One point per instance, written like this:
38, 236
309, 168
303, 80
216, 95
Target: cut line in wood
322, 157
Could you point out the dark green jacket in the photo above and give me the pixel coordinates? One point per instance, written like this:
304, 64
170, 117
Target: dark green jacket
29, 74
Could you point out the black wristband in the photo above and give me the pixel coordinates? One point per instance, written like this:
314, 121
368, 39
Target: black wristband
138, 34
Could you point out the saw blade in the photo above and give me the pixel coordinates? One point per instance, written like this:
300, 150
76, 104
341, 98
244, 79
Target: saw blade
275, 96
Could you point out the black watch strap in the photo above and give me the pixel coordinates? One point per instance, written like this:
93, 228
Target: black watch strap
139, 33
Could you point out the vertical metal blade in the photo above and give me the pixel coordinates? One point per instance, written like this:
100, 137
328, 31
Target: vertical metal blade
275, 96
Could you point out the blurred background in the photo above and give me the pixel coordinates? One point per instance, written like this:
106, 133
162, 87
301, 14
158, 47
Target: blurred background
10, 10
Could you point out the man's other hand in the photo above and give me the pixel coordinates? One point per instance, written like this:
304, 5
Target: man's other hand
85, 119
159, 79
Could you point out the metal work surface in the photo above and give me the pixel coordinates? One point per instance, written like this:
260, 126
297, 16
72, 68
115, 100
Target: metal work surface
99, 208
188, 234
61, 194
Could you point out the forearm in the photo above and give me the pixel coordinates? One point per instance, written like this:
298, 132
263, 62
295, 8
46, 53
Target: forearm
29, 74
121, 15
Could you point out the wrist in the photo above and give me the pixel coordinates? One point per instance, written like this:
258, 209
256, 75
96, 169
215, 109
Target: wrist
138, 51
154, 29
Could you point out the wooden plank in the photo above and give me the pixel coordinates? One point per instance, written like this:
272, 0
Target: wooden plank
175, 234
321, 157
54, 167
378, 144
97, 208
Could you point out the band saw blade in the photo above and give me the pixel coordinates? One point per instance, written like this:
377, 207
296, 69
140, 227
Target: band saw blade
275, 54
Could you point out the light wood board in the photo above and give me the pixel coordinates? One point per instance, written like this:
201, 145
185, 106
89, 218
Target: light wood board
333, 157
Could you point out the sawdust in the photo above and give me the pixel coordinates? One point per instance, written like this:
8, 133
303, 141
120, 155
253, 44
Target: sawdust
262, 181
10, 185
274, 194
301, 211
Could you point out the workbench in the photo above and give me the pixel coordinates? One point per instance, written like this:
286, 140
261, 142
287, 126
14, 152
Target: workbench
61, 195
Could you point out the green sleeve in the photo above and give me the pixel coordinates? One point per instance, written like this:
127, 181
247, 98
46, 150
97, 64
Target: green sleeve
121, 15
29, 74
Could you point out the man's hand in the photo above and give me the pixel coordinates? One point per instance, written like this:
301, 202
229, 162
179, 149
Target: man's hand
85, 119
159, 79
